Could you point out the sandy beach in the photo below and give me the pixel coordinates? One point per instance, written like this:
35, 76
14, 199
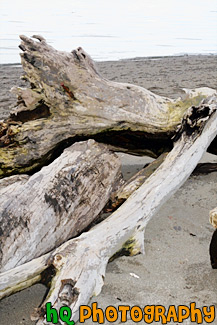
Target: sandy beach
176, 267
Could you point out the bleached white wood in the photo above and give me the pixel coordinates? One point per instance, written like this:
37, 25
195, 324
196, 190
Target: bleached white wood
40, 212
81, 262
127, 188
22, 276
84, 259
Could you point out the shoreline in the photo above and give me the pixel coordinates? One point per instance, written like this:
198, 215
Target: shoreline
139, 58
176, 267
165, 76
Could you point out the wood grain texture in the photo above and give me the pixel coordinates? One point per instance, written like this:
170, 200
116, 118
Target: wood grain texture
80, 263
69, 101
123, 192
40, 212
86, 264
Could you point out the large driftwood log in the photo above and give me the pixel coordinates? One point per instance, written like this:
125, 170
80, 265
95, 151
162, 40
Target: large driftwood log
40, 212
69, 101
81, 262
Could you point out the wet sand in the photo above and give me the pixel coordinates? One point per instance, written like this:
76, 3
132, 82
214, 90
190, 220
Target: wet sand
176, 267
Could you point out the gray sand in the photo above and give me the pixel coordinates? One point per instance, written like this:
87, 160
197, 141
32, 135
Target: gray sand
176, 267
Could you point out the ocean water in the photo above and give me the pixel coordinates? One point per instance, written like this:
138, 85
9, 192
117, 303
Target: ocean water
111, 29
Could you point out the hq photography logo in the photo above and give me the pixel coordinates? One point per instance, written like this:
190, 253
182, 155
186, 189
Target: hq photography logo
123, 313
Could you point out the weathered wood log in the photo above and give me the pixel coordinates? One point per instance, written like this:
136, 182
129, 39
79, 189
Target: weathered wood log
23, 276
124, 191
127, 188
69, 101
81, 262
40, 212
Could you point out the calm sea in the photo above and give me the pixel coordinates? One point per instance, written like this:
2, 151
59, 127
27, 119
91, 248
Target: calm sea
111, 29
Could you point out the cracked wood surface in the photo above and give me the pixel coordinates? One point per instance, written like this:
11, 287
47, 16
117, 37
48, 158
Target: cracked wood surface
40, 212
69, 101
80, 263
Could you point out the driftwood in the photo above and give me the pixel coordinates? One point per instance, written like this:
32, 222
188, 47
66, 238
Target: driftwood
127, 188
42, 211
79, 264
213, 217
213, 242
69, 101
213, 250
124, 191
